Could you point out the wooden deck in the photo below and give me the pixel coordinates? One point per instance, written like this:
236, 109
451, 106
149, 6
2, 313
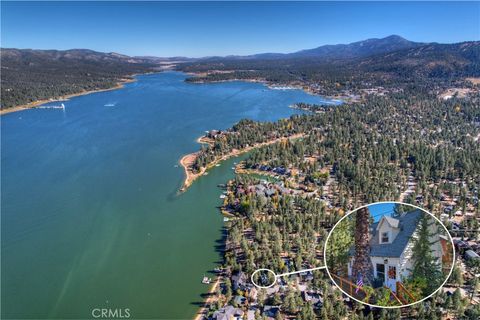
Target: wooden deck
350, 288
401, 297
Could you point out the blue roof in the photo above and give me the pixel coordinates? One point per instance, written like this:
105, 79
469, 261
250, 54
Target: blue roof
407, 223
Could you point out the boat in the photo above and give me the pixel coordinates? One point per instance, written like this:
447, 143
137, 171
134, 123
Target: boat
206, 280
110, 105
222, 196
283, 88
225, 219
61, 106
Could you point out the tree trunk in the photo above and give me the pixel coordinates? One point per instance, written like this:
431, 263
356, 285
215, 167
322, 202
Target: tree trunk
361, 262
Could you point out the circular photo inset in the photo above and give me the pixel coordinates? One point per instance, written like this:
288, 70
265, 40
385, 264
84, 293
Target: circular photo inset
389, 254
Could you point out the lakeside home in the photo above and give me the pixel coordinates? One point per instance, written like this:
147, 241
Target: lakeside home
389, 258
391, 243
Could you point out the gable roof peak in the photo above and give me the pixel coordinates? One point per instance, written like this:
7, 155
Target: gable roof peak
392, 221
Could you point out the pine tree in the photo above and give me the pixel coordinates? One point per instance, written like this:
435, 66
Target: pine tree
425, 265
290, 303
362, 263
457, 302
339, 245
475, 287
228, 293
457, 276
307, 312
399, 209
324, 314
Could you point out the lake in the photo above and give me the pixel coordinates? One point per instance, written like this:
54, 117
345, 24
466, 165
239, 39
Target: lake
91, 216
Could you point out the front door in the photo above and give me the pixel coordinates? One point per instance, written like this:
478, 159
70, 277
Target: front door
391, 277
381, 273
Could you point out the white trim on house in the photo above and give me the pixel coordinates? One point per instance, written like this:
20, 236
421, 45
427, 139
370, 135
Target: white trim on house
403, 264
390, 226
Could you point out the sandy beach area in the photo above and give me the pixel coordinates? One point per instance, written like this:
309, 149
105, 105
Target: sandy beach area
201, 312
37, 103
187, 161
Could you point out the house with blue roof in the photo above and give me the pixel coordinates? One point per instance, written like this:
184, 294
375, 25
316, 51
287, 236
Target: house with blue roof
391, 243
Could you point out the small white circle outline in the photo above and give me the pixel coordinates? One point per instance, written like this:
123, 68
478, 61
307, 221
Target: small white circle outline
388, 307
268, 270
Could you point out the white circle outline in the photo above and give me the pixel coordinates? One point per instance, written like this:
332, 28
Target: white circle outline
388, 307
268, 270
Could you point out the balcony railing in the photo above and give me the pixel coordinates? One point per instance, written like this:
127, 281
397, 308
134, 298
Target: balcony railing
350, 288
403, 294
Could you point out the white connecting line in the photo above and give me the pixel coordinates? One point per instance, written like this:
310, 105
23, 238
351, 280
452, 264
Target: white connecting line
304, 270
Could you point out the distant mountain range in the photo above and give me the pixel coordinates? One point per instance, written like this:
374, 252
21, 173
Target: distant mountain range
392, 55
431, 59
41, 56
359, 49
29, 75
343, 51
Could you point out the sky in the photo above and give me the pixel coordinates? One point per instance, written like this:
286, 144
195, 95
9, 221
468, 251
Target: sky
380, 209
197, 29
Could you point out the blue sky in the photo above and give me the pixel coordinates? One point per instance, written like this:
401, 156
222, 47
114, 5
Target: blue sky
221, 28
380, 209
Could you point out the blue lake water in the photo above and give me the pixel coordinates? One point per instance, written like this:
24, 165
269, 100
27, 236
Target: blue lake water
90, 213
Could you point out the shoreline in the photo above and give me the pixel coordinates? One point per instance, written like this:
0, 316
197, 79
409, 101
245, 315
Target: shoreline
187, 160
34, 104
190, 177
270, 86
201, 312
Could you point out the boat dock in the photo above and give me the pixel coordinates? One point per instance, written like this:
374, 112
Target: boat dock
61, 106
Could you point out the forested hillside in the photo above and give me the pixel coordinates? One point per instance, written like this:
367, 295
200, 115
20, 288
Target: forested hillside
352, 50
30, 75
286, 197
433, 65
344, 69
408, 131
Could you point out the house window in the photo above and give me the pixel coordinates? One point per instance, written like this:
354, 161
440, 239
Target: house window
384, 237
381, 271
392, 272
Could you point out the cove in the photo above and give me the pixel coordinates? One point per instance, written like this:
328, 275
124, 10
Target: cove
91, 217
